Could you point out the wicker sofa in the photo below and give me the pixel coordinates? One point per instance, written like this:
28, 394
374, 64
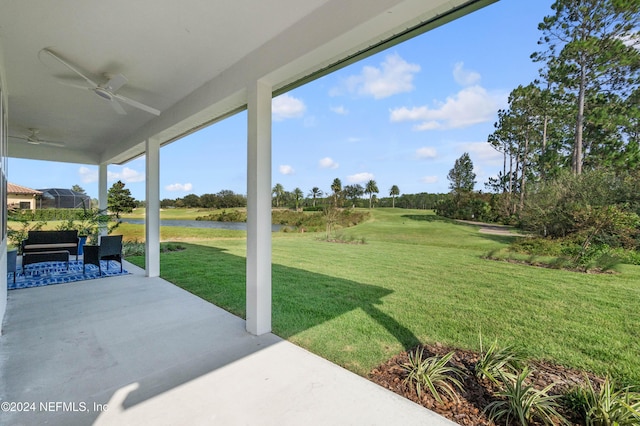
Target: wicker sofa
43, 246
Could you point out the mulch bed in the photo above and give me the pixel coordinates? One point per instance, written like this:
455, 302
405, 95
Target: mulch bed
476, 394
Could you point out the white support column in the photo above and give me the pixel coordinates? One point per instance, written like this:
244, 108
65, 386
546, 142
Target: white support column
259, 209
152, 216
102, 194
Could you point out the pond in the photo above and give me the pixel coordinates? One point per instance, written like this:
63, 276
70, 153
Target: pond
236, 226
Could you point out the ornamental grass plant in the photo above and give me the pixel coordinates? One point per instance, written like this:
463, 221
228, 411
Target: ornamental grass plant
434, 374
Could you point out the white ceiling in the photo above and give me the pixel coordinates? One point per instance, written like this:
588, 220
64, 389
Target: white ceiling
190, 59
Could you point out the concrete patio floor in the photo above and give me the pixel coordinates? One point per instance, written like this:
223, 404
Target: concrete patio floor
132, 350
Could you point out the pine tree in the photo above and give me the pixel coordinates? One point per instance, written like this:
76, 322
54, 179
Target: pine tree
462, 177
590, 52
119, 199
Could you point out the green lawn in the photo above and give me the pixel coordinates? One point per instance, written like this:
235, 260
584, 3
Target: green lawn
176, 233
173, 214
420, 278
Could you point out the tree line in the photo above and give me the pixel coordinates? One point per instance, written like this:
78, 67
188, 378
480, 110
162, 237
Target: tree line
315, 199
582, 113
222, 200
570, 140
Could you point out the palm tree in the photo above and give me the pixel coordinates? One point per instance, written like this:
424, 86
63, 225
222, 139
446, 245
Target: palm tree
336, 187
371, 188
315, 193
394, 192
297, 195
353, 192
278, 192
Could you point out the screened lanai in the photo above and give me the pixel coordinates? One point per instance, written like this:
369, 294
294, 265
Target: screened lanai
60, 198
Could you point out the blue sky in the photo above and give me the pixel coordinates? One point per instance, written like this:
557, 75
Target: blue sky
400, 117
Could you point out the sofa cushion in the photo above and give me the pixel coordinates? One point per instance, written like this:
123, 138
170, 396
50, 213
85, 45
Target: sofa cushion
53, 246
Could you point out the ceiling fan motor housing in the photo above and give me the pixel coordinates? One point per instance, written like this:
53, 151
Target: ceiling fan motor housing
103, 93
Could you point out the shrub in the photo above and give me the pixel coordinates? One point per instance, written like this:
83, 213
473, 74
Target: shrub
497, 363
168, 247
16, 236
538, 246
224, 216
467, 206
608, 406
571, 253
631, 257
312, 222
132, 248
433, 373
137, 248
599, 204
522, 403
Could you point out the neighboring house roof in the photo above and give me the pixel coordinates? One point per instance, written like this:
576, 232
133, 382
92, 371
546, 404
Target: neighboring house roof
12, 188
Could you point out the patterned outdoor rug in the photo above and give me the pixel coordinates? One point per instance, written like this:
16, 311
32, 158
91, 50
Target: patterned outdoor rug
49, 273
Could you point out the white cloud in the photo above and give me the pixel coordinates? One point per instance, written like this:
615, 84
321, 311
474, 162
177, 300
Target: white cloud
472, 105
464, 77
125, 175
360, 177
631, 41
354, 139
179, 187
286, 170
340, 110
88, 175
426, 152
285, 106
481, 152
328, 163
395, 75
429, 179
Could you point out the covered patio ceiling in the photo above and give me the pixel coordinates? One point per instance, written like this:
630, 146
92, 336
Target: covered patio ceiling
191, 60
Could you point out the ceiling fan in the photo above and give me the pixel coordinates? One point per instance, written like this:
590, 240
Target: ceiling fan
106, 90
34, 139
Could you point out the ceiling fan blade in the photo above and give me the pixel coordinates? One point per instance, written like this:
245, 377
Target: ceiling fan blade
115, 82
117, 107
32, 141
57, 144
137, 104
68, 65
105, 91
76, 86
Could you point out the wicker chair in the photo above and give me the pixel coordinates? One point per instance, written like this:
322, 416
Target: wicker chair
110, 248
